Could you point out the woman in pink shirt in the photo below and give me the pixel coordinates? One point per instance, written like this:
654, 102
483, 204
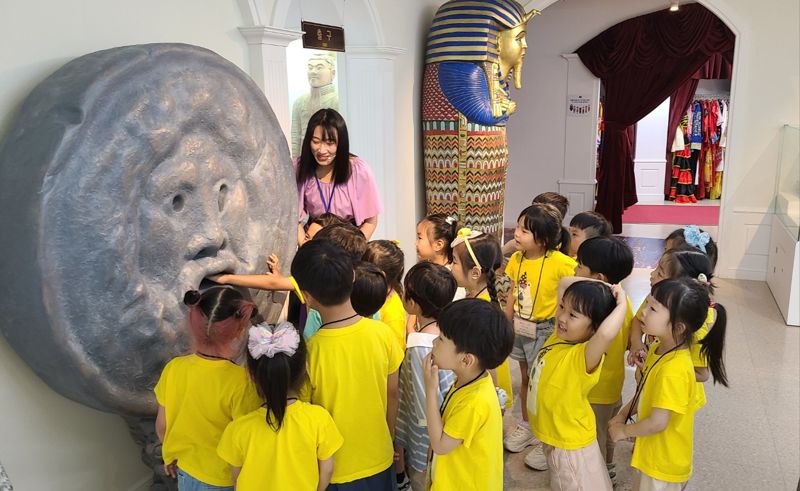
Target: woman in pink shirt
332, 180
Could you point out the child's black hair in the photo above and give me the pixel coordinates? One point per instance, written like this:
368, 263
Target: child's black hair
609, 256
592, 223
274, 377
431, 286
592, 299
689, 264
327, 219
551, 198
688, 301
370, 289
347, 236
544, 222
388, 256
324, 270
217, 315
678, 241
479, 328
490, 256
443, 227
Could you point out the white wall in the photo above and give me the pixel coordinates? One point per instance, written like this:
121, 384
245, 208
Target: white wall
650, 161
765, 95
46, 441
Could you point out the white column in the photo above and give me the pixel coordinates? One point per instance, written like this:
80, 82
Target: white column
267, 46
580, 151
371, 113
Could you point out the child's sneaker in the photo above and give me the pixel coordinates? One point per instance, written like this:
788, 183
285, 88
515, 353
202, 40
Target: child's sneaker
519, 439
404, 484
536, 459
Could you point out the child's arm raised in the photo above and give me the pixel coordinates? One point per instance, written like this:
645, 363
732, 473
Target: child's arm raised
271, 282
325, 473
656, 423
599, 342
441, 442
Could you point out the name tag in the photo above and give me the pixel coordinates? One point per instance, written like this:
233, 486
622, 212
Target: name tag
523, 327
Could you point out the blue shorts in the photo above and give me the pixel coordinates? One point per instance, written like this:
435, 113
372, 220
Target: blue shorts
189, 483
382, 481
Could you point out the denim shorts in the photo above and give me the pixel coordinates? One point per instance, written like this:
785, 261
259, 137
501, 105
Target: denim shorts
189, 483
525, 348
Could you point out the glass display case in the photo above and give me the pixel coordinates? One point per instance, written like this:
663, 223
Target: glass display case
787, 192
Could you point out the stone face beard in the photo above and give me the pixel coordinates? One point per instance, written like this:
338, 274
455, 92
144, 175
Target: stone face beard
169, 168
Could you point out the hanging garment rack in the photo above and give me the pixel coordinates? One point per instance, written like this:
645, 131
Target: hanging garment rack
701, 96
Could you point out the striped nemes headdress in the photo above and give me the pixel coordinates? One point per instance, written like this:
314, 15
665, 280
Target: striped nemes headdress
466, 30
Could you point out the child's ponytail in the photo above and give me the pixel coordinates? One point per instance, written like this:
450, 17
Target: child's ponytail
564, 239
713, 346
491, 288
276, 360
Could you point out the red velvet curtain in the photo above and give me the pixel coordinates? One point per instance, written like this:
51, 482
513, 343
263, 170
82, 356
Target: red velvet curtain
641, 62
719, 66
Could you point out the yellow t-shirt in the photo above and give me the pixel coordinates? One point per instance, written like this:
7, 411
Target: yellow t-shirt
284, 459
609, 388
393, 314
698, 359
472, 415
503, 372
526, 273
558, 404
670, 384
347, 370
200, 397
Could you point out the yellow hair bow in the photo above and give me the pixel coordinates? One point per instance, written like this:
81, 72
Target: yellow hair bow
395, 242
464, 235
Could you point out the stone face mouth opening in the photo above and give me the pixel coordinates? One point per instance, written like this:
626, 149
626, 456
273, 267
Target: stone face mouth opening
207, 282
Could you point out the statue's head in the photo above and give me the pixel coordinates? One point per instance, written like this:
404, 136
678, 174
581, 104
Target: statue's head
494, 32
128, 177
321, 69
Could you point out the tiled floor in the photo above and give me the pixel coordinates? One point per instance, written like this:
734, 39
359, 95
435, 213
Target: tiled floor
748, 436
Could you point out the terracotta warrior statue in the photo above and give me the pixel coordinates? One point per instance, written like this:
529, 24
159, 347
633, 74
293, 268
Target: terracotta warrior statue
321, 95
472, 52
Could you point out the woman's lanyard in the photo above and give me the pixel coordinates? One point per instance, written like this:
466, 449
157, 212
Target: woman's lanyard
325, 204
640, 385
519, 290
450, 394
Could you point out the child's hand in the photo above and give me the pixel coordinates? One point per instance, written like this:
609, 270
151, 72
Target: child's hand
619, 418
218, 278
171, 470
273, 264
431, 374
636, 356
619, 294
616, 431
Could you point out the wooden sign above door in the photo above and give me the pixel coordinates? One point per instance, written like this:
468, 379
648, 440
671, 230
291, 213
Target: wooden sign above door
321, 36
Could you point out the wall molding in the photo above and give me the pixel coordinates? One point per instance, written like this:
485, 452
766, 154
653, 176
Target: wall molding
375, 52
271, 36
578, 182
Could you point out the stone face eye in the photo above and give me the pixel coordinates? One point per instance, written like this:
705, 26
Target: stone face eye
177, 202
223, 197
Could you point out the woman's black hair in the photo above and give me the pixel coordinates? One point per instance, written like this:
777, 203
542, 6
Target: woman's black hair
688, 301
479, 328
689, 264
388, 256
431, 286
592, 299
370, 289
274, 377
333, 129
443, 227
609, 256
544, 222
678, 239
490, 256
592, 223
324, 270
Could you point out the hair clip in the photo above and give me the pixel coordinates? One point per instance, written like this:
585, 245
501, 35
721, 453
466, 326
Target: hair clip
395, 242
702, 278
266, 340
451, 219
695, 238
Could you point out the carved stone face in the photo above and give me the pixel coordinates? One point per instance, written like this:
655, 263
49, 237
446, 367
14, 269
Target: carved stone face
512, 46
320, 73
129, 176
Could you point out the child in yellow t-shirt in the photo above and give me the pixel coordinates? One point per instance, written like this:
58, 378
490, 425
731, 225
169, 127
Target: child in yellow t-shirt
199, 394
352, 369
590, 315
608, 259
465, 431
535, 270
287, 443
676, 264
388, 256
476, 258
584, 226
665, 398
